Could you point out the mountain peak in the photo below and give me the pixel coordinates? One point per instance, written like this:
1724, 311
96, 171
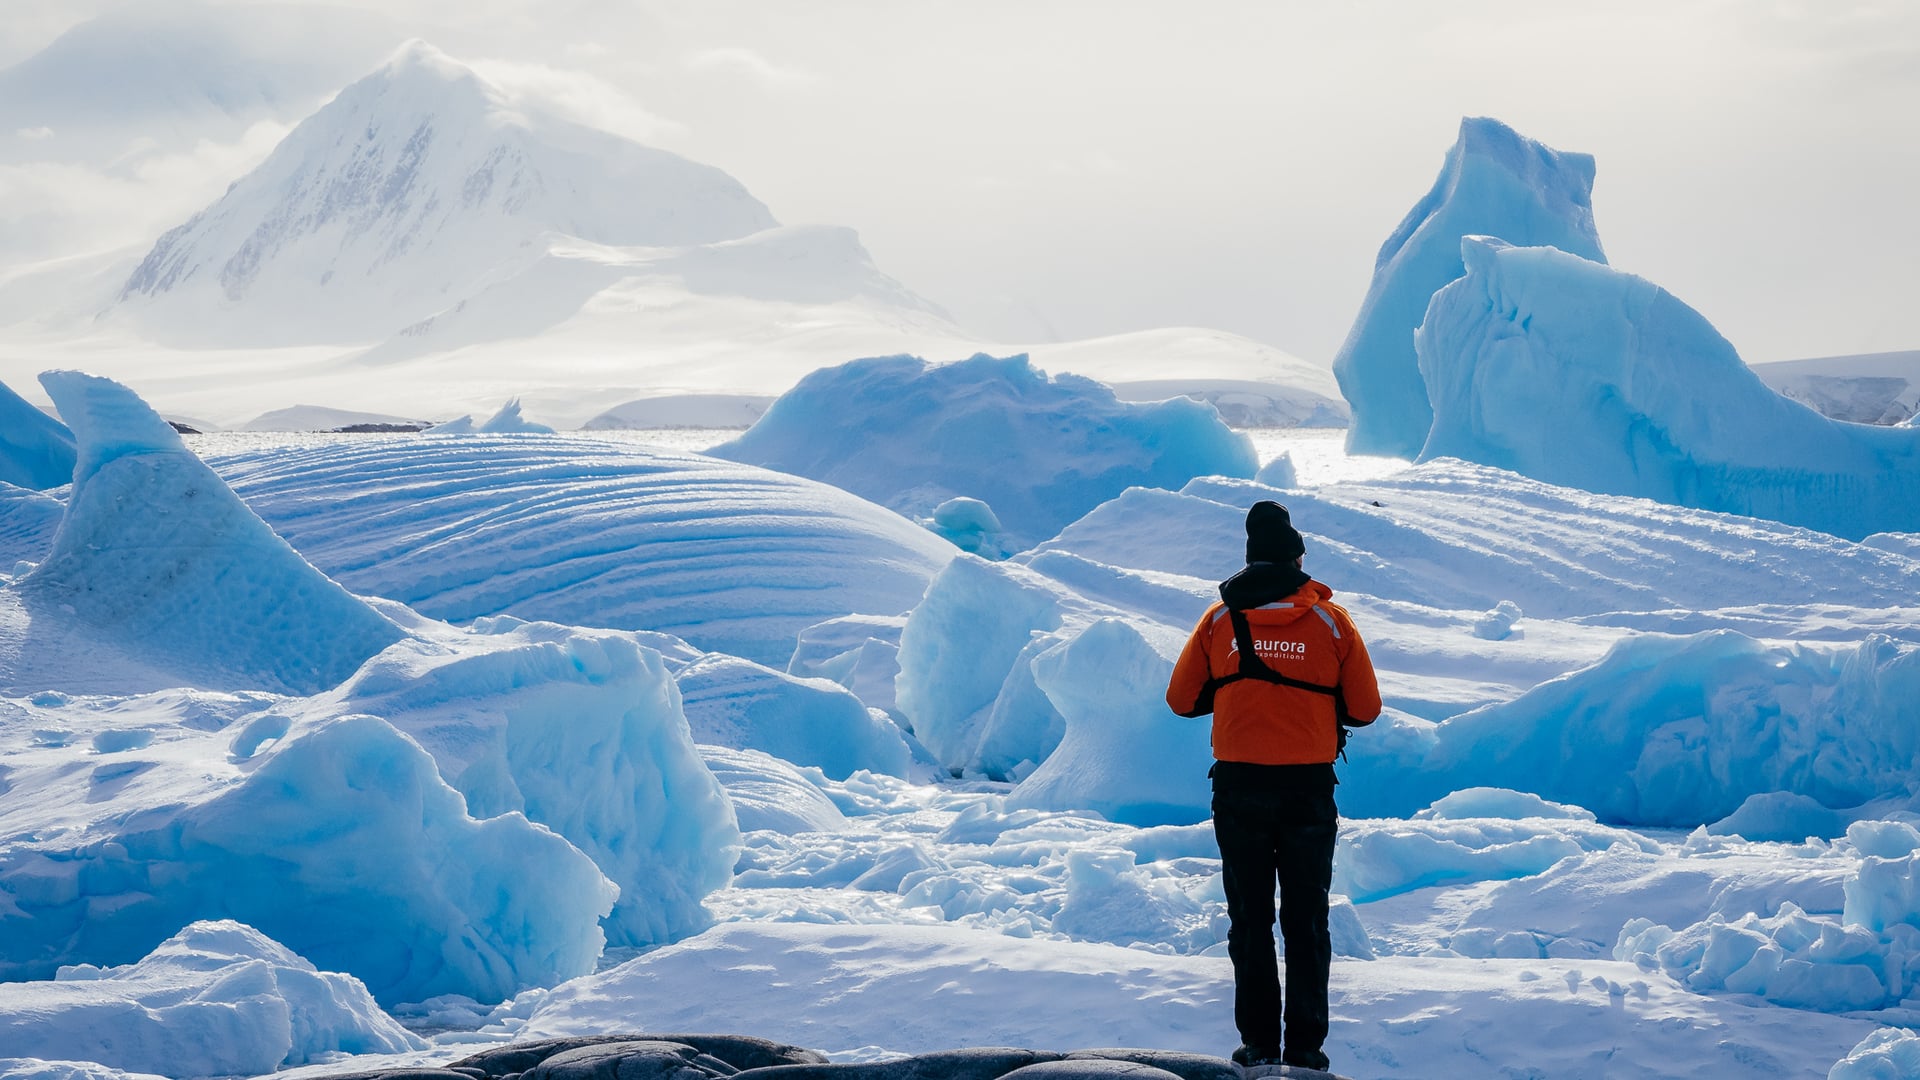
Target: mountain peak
413, 187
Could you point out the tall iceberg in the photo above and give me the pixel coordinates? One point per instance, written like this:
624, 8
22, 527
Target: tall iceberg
1495, 181
157, 559
1568, 371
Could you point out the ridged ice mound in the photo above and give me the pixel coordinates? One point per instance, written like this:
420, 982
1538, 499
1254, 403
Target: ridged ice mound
1039, 450
1568, 371
123, 820
36, 451
1495, 182
158, 560
409, 190
731, 558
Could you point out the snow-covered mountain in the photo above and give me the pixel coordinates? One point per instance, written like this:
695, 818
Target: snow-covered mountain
1872, 388
421, 187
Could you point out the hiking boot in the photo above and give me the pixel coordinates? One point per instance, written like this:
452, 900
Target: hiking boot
1252, 1057
1307, 1059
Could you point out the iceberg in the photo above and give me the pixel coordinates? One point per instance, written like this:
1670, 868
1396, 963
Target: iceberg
36, 451
564, 529
507, 421
1123, 754
1565, 370
123, 820
1495, 181
740, 704
218, 998
579, 730
156, 560
1673, 732
1037, 450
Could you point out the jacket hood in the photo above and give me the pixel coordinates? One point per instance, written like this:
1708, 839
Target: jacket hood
1263, 583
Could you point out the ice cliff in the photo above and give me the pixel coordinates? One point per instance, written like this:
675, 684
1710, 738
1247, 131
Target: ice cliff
1494, 182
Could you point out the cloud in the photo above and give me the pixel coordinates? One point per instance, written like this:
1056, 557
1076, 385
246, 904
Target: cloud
50, 208
748, 65
41, 132
574, 95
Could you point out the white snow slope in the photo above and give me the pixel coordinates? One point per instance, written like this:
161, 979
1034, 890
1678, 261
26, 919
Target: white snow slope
1494, 182
1563, 369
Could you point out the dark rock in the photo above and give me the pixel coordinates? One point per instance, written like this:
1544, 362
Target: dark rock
1185, 1066
977, 1063
1091, 1068
737, 1051
417, 1072
638, 1059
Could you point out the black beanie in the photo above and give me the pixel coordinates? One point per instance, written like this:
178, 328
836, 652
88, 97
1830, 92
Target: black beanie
1271, 536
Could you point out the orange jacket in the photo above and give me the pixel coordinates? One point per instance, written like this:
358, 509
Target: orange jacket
1304, 636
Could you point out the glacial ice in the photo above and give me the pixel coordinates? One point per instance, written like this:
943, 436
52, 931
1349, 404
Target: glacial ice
1676, 731
732, 558
127, 819
1496, 182
36, 451
768, 793
579, 730
1565, 370
860, 652
157, 559
1039, 450
1887, 1054
216, 999
740, 704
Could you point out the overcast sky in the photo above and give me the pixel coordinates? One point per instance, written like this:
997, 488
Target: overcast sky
1069, 169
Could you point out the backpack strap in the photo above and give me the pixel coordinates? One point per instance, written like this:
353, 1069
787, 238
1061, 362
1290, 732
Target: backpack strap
1252, 667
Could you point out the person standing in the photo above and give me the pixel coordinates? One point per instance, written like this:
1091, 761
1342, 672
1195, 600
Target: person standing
1284, 673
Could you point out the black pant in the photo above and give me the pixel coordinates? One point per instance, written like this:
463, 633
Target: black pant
1277, 822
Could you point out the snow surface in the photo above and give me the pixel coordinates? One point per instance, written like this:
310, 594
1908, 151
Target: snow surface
1496, 182
731, 558
216, 999
1563, 369
1039, 450
36, 450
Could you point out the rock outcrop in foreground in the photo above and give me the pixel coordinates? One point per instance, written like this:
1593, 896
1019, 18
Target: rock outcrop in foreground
741, 1057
